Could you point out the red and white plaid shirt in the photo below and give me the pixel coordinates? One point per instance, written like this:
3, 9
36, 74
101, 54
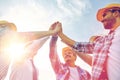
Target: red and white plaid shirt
62, 70
100, 51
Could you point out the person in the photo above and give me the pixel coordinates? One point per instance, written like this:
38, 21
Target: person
24, 68
105, 49
9, 36
68, 70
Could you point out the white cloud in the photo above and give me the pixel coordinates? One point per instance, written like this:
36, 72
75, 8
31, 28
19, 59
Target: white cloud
73, 7
30, 15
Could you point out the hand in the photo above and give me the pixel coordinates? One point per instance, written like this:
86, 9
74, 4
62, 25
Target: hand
52, 27
56, 28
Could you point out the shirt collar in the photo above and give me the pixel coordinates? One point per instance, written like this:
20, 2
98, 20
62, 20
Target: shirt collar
116, 30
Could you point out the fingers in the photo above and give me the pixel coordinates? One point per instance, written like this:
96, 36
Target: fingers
56, 28
52, 27
59, 26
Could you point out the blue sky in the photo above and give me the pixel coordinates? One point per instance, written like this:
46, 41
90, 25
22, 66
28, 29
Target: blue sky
78, 18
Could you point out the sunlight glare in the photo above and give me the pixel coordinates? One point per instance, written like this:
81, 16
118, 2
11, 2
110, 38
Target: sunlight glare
16, 50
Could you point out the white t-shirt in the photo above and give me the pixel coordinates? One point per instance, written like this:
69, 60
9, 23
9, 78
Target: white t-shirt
113, 65
74, 75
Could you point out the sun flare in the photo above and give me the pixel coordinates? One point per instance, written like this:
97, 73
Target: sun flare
15, 50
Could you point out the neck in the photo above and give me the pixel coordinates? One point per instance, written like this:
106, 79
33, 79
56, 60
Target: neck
71, 64
117, 24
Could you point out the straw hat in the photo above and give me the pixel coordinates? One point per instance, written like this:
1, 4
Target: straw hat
9, 24
109, 6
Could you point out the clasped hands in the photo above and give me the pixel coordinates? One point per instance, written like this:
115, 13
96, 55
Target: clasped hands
56, 28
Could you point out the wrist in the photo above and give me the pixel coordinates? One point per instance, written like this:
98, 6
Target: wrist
54, 37
60, 34
52, 32
53, 40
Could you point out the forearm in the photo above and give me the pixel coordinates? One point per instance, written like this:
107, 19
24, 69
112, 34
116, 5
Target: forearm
35, 34
66, 39
53, 51
34, 46
41, 34
55, 62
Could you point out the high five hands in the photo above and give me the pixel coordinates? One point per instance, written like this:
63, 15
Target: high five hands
56, 28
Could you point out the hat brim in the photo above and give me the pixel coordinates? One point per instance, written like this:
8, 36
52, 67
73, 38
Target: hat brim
101, 11
100, 14
10, 25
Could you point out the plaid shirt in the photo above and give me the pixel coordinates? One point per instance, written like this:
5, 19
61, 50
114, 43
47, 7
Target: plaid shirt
100, 50
61, 70
4, 64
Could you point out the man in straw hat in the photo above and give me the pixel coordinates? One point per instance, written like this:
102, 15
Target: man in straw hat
105, 62
9, 36
68, 70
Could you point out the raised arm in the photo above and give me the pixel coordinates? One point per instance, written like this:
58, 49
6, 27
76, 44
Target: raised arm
33, 35
66, 39
82, 49
55, 62
32, 47
63, 37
